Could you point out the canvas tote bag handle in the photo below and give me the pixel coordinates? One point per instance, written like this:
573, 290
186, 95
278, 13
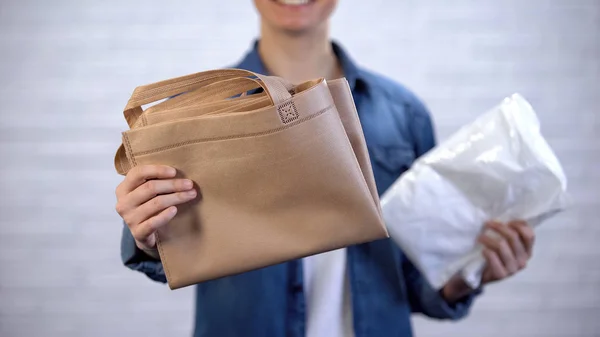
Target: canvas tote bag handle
190, 98
277, 88
218, 90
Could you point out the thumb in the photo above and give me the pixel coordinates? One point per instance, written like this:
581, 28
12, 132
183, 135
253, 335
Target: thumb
148, 246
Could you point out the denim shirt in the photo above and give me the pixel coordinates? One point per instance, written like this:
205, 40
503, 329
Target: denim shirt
385, 287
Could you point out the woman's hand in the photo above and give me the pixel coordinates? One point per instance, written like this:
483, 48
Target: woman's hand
509, 253
505, 255
147, 199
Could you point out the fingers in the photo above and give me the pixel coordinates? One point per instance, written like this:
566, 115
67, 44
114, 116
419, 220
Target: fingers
510, 251
526, 234
502, 248
147, 200
495, 267
140, 174
157, 204
514, 240
143, 233
153, 188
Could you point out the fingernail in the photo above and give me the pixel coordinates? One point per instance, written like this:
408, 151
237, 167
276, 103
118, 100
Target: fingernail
172, 171
173, 210
191, 193
187, 184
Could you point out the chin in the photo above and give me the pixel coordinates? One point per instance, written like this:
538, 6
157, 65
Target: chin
294, 27
295, 15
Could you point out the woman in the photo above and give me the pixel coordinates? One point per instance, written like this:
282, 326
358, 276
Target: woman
364, 290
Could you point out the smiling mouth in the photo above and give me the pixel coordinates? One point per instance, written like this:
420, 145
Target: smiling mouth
293, 2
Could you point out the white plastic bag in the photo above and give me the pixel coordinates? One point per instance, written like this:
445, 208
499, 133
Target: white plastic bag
499, 167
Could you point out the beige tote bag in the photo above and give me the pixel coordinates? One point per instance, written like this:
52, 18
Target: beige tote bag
281, 175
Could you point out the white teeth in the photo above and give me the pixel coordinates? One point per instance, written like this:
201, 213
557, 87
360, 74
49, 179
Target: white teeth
293, 2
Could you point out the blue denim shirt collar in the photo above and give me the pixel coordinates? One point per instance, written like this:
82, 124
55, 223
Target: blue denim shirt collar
353, 75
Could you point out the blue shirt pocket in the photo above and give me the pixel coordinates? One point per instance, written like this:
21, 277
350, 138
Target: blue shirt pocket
389, 162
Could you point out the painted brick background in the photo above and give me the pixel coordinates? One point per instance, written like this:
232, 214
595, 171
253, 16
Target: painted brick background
68, 67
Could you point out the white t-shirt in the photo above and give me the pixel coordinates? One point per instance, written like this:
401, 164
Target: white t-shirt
327, 293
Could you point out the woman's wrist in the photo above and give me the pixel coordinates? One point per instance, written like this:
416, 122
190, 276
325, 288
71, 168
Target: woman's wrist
456, 289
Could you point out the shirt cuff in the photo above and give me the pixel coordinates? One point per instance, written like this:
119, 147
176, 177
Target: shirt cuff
436, 305
135, 258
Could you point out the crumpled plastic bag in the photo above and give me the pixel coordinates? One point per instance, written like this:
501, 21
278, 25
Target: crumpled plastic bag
499, 167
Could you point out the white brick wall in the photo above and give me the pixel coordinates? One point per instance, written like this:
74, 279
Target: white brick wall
68, 67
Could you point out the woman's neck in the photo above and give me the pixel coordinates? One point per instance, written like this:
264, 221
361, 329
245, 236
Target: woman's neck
299, 57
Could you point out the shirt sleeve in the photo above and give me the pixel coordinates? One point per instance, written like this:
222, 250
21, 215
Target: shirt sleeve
135, 259
422, 297
426, 300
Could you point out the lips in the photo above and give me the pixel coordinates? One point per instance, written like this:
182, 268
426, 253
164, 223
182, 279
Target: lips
293, 2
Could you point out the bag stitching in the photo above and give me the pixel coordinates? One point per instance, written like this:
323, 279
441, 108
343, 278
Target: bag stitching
249, 135
128, 145
163, 258
120, 165
288, 112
